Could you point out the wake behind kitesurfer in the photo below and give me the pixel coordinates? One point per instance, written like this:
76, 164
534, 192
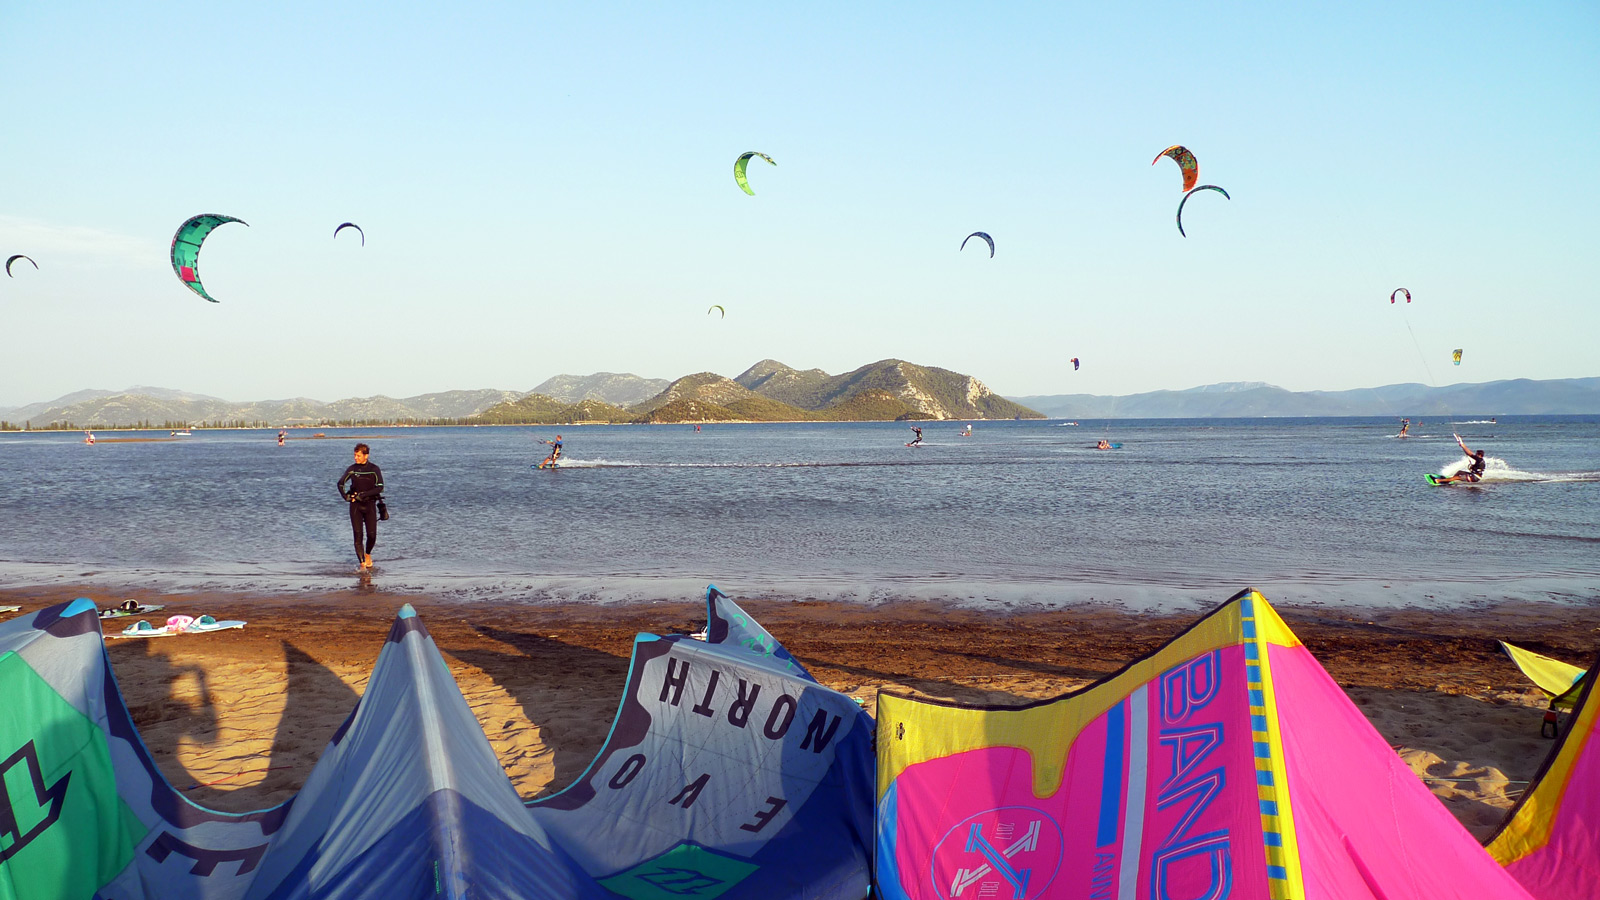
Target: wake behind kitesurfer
916, 441
555, 453
365, 494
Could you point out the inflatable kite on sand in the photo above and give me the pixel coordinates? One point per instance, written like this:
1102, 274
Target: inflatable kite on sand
729, 773
1226, 764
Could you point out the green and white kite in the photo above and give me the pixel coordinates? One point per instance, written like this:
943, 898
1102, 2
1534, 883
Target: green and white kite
739, 166
186, 248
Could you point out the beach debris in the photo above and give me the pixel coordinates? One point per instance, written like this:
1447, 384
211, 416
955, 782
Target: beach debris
1226, 763
186, 248
1203, 187
983, 235
743, 162
13, 258
1189, 166
343, 225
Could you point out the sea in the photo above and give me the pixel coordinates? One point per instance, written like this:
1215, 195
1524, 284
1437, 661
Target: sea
1019, 514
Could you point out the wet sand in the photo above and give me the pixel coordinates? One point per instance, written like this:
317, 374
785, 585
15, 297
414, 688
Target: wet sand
238, 718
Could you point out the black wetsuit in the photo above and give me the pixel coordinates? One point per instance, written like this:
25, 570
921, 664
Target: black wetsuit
366, 489
1476, 469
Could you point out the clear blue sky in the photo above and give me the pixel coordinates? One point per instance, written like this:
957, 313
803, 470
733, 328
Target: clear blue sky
549, 189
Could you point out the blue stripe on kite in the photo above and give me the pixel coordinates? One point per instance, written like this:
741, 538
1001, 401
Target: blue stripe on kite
1258, 723
1250, 628
1258, 698
1278, 872
1263, 750
1111, 776
1269, 807
1273, 839
1252, 650
1263, 778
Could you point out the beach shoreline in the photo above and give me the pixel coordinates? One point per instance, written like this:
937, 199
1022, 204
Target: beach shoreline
238, 718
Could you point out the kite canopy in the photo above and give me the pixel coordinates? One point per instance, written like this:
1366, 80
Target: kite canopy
981, 234
739, 166
718, 308
1398, 292
729, 775
1185, 160
186, 248
1548, 841
1074, 364
1455, 357
1203, 187
345, 225
1226, 764
14, 259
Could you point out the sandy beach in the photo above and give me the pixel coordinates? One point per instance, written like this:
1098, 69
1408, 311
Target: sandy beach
238, 718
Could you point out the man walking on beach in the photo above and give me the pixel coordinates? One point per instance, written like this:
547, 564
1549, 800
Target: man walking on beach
365, 494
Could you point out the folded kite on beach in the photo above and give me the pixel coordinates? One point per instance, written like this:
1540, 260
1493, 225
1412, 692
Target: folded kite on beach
1226, 764
1551, 840
729, 774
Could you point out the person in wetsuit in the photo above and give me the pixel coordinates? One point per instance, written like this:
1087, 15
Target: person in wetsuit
365, 494
555, 453
1405, 426
916, 441
1474, 472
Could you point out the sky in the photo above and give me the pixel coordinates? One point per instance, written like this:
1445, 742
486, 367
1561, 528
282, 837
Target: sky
548, 188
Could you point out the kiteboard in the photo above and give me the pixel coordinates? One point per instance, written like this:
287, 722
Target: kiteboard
1444, 480
914, 444
1114, 446
545, 465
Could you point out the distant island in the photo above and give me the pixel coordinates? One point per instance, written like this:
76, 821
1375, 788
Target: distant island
768, 391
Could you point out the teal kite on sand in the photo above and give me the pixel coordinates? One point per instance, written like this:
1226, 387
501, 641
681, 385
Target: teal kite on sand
186, 248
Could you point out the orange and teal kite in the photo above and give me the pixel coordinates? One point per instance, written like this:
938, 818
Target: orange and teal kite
186, 248
1185, 160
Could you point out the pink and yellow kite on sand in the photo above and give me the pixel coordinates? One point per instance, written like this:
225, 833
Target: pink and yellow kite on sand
1228, 764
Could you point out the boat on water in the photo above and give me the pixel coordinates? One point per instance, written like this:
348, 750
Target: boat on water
184, 433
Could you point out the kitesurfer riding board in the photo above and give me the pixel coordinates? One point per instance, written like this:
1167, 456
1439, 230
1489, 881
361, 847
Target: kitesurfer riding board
1471, 475
553, 460
916, 441
1405, 426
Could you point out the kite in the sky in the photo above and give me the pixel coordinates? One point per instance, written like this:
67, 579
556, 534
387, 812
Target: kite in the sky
1203, 187
739, 166
1074, 364
1398, 292
186, 248
983, 235
1456, 357
718, 308
14, 259
356, 227
1185, 160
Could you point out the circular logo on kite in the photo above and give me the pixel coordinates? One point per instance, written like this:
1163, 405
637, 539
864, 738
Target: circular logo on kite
1010, 852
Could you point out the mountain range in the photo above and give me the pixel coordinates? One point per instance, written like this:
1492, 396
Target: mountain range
1521, 396
767, 391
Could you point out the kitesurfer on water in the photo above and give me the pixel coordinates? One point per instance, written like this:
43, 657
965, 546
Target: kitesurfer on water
1405, 426
916, 441
1474, 472
365, 495
1103, 445
555, 453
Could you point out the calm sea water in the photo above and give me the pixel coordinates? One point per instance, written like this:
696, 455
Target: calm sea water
1186, 512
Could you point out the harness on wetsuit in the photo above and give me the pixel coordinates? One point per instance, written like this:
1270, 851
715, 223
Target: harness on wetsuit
1477, 467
